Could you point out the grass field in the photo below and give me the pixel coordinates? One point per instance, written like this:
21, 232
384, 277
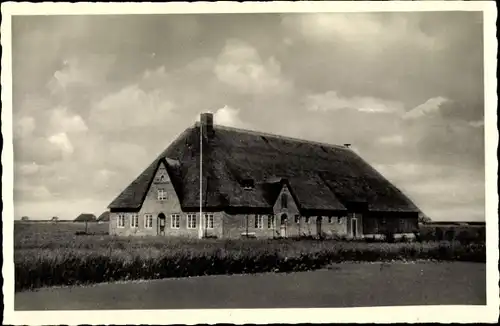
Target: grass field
343, 285
48, 254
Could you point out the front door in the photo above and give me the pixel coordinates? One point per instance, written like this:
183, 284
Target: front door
318, 225
354, 227
283, 226
162, 221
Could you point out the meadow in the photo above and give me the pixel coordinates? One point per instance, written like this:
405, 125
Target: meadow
47, 254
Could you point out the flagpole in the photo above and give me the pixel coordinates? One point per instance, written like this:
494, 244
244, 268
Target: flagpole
200, 229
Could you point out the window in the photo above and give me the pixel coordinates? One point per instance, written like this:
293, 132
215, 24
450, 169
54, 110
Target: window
284, 201
121, 220
308, 219
330, 219
248, 184
259, 221
191, 221
297, 218
148, 221
134, 220
270, 222
209, 221
176, 221
162, 195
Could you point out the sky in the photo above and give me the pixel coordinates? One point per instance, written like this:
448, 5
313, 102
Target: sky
97, 98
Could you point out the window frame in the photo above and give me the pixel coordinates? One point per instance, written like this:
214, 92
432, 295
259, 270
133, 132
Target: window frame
175, 217
271, 222
259, 221
191, 221
121, 218
207, 219
163, 197
134, 220
148, 218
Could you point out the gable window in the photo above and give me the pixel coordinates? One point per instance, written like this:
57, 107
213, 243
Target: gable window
308, 219
191, 221
121, 220
148, 221
209, 221
297, 218
284, 201
176, 221
134, 220
248, 184
259, 221
270, 222
162, 195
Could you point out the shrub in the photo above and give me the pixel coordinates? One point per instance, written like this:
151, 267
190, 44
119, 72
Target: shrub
157, 258
61, 258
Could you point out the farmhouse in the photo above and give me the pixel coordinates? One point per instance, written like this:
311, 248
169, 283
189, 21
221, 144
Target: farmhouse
85, 217
258, 184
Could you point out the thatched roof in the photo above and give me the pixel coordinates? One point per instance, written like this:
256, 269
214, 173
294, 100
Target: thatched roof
104, 217
85, 217
321, 177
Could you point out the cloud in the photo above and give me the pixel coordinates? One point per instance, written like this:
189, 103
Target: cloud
24, 127
476, 124
240, 66
331, 101
132, 107
62, 120
431, 106
62, 141
81, 71
228, 116
438, 189
27, 169
391, 140
30, 192
374, 32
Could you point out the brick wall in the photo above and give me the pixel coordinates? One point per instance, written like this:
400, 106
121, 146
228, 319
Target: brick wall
153, 206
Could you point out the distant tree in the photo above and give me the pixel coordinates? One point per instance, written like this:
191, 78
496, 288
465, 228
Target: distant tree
84, 217
424, 219
55, 219
25, 218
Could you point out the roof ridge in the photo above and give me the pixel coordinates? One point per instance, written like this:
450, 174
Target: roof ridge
268, 134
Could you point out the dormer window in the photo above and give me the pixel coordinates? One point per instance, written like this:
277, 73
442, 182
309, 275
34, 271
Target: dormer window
248, 184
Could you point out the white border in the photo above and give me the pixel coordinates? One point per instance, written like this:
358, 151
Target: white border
445, 314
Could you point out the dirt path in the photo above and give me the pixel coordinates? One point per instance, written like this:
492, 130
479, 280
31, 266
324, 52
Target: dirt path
345, 285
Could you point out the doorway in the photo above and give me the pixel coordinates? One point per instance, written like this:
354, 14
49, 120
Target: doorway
161, 222
283, 225
354, 227
319, 231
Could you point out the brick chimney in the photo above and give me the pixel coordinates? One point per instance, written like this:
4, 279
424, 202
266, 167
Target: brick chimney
207, 123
